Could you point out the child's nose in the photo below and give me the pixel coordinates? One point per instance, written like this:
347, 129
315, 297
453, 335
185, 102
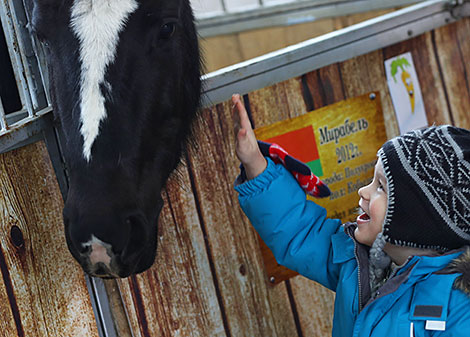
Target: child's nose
363, 192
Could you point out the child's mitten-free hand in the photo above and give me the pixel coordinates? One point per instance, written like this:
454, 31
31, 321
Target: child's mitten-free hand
247, 148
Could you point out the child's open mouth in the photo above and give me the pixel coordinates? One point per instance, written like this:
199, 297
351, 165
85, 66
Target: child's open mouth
364, 217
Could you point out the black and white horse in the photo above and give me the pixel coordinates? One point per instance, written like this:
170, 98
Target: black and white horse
125, 85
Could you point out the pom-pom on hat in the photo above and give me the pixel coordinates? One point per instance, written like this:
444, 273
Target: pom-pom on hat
428, 178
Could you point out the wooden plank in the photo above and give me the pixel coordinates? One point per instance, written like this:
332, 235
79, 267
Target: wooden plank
453, 50
295, 98
279, 102
118, 312
315, 306
220, 51
427, 68
246, 296
176, 297
314, 302
261, 41
364, 74
46, 292
323, 87
352, 19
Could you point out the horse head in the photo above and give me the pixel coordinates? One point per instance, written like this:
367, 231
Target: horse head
125, 86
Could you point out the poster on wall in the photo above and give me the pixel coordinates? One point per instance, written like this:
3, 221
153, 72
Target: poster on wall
339, 143
406, 95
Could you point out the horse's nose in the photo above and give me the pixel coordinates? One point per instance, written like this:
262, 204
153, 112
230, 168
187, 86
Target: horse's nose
97, 252
101, 270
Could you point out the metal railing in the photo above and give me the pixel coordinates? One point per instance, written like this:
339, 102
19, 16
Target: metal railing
29, 71
324, 50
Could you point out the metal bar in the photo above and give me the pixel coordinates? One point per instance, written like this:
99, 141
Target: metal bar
288, 14
104, 308
55, 154
461, 9
30, 66
101, 307
334, 47
26, 131
224, 6
3, 120
38, 52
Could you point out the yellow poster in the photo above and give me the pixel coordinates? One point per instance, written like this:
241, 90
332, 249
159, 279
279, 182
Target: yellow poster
339, 143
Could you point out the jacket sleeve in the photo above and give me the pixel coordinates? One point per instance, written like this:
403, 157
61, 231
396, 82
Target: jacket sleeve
294, 228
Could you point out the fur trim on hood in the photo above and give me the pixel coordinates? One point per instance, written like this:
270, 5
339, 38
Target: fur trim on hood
461, 265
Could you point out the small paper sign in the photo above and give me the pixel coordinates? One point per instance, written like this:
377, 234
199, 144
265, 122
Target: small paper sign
406, 93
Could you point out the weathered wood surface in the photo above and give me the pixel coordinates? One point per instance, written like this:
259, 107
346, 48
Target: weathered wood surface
452, 45
42, 289
209, 277
177, 296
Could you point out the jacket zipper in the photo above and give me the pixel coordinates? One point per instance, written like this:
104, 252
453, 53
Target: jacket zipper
348, 232
358, 276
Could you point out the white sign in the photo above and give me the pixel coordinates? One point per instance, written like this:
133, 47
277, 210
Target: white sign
406, 94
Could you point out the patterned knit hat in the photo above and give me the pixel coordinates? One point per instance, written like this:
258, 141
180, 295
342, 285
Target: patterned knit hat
428, 176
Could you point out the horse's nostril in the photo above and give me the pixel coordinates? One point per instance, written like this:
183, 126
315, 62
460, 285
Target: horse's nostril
85, 250
137, 237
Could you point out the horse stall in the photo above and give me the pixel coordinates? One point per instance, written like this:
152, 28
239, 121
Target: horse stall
211, 276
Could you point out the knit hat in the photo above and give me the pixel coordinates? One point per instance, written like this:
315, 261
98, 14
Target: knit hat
428, 178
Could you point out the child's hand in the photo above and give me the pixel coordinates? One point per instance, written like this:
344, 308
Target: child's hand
247, 148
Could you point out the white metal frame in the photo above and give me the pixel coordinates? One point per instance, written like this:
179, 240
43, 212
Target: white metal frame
29, 74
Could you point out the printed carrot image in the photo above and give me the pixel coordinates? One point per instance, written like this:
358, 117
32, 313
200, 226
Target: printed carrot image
402, 62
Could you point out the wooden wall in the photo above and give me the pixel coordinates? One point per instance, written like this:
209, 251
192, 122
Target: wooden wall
208, 278
42, 289
224, 50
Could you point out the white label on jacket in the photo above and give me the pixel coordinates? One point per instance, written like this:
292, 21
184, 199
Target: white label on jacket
436, 325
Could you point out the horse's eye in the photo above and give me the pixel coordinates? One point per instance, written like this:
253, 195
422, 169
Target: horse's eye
167, 30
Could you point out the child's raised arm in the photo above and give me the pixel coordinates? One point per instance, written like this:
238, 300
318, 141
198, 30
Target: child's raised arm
247, 148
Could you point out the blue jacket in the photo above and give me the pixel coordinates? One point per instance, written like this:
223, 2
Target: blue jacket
420, 297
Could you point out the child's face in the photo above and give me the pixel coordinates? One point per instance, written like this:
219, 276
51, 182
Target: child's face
373, 203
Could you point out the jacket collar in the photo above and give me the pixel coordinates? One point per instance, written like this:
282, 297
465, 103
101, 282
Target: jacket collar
461, 265
454, 261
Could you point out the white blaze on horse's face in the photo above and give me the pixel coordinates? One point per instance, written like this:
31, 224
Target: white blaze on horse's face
97, 24
99, 251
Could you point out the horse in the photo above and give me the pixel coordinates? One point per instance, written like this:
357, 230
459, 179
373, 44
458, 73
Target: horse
125, 89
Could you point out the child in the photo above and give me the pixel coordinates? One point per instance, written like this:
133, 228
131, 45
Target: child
403, 268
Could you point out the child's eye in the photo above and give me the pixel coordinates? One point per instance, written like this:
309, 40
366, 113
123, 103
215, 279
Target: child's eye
380, 187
